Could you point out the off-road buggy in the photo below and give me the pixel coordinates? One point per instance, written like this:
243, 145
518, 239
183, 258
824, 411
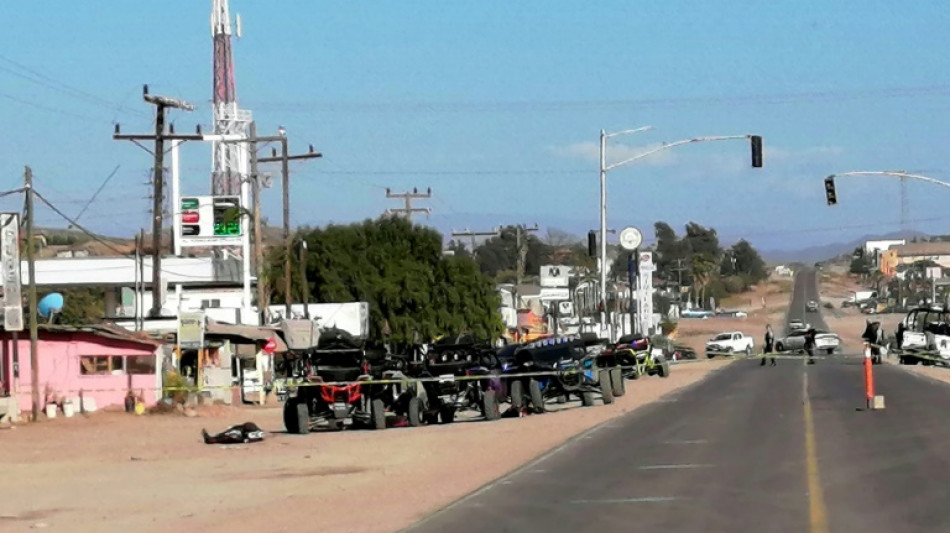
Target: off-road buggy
637, 356
560, 368
337, 385
465, 375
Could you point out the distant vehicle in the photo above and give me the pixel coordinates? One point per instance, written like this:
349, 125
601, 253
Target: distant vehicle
825, 341
812, 306
732, 342
796, 323
696, 313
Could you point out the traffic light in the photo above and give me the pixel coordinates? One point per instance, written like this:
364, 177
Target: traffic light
756, 151
592, 243
830, 193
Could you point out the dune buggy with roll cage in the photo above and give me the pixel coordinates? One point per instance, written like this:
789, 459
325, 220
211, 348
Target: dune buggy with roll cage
337, 383
558, 368
637, 356
460, 373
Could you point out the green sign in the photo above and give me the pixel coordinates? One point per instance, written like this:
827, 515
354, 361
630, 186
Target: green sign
189, 203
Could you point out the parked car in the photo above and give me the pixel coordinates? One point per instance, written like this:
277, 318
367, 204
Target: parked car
729, 343
825, 341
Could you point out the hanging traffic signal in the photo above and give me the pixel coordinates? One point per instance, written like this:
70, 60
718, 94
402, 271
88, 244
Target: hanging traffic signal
592, 243
830, 193
756, 151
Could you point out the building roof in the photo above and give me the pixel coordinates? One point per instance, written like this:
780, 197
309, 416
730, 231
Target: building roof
251, 333
923, 249
106, 331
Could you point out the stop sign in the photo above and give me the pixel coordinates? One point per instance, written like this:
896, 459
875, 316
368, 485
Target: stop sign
271, 346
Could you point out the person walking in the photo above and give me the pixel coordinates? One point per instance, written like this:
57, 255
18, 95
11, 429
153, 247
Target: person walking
769, 351
810, 345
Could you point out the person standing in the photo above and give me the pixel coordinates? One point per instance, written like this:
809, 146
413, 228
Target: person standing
810, 345
769, 351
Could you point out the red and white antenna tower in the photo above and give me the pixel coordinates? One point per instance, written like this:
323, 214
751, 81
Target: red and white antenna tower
229, 160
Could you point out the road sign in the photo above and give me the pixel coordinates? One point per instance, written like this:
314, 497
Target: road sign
11, 299
211, 221
191, 330
270, 346
555, 276
630, 238
552, 294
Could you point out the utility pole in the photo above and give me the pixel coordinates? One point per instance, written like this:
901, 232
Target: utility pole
408, 197
472, 234
258, 239
161, 103
285, 160
521, 248
31, 291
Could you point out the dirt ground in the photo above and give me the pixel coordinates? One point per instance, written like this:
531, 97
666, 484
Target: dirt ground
775, 295
849, 323
119, 472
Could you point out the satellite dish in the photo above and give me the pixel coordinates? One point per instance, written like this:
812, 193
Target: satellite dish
51, 304
630, 238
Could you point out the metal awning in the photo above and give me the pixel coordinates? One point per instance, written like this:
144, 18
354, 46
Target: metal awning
248, 333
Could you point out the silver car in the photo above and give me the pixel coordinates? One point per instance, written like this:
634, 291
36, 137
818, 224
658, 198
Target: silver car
825, 342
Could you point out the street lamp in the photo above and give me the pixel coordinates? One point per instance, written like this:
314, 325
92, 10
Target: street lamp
755, 142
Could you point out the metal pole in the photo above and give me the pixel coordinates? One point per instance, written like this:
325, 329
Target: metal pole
603, 232
176, 200
31, 269
138, 280
285, 181
304, 286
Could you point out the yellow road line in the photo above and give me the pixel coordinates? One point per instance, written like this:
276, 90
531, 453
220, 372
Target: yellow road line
817, 515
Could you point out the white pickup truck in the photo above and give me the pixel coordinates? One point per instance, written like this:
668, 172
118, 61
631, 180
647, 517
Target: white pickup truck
732, 342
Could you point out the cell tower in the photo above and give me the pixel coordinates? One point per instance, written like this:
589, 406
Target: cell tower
229, 160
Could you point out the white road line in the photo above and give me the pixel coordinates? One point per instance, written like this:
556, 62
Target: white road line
649, 499
670, 467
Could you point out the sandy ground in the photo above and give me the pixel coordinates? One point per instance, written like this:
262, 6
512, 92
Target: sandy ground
849, 323
118, 472
775, 293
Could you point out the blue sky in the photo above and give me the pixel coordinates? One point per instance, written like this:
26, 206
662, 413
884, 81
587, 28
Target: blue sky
497, 107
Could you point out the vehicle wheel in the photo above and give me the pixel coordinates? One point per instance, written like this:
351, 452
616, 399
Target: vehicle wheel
606, 387
490, 406
534, 392
664, 369
431, 417
710, 355
830, 351
587, 399
516, 390
617, 382
303, 419
414, 411
290, 416
447, 414
779, 347
378, 409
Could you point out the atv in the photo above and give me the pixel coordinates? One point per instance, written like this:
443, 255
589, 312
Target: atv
637, 356
560, 368
461, 374
340, 386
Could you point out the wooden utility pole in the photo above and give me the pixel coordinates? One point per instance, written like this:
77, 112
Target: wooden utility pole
258, 238
408, 197
473, 234
161, 103
521, 248
304, 285
31, 291
285, 159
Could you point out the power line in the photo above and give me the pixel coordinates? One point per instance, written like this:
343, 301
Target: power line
574, 105
52, 109
498, 172
41, 79
93, 199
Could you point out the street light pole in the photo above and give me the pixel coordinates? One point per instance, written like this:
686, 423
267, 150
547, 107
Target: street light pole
756, 143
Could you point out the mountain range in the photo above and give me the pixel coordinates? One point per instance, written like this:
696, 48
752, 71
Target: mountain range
813, 254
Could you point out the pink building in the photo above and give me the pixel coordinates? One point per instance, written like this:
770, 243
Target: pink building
100, 362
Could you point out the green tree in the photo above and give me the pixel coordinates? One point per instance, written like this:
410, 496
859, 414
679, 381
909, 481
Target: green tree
743, 260
81, 306
399, 269
499, 254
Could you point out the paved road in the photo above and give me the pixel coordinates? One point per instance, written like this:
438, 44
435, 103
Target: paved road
806, 289
750, 448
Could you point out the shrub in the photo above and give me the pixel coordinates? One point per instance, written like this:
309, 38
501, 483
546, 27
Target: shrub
175, 386
668, 327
